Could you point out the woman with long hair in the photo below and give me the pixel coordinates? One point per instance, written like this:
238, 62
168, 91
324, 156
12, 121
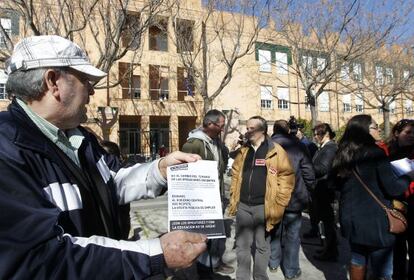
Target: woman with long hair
400, 145
363, 221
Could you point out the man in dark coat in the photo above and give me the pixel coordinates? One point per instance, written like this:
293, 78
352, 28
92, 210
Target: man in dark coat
285, 251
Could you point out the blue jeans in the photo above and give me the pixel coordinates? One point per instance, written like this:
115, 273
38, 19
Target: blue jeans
379, 258
285, 244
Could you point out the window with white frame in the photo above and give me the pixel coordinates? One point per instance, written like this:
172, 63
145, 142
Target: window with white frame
283, 98
345, 72
323, 102
359, 103
389, 75
3, 79
307, 64
6, 24
406, 74
266, 97
408, 106
3, 93
346, 101
265, 61
379, 75
320, 64
357, 71
281, 63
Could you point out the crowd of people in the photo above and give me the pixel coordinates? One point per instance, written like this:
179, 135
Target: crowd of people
275, 178
333, 171
64, 195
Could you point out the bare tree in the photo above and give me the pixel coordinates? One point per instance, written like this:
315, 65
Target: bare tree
383, 81
226, 32
110, 30
63, 17
323, 35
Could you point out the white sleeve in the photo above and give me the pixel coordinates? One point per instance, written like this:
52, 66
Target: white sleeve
150, 247
139, 181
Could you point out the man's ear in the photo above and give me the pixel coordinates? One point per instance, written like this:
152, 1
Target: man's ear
51, 77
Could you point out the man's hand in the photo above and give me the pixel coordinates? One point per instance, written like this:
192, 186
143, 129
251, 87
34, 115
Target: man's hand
181, 248
175, 158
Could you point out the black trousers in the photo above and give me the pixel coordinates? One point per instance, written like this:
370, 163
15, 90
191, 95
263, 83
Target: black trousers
322, 200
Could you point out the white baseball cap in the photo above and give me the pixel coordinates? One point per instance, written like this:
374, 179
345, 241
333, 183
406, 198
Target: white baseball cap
51, 51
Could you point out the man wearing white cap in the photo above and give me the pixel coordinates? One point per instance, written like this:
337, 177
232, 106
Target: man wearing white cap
59, 190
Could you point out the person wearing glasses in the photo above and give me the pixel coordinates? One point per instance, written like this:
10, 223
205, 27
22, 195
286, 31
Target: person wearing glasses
60, 190
363, 221
205, 141
401, 145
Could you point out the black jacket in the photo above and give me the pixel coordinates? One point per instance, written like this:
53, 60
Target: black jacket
50, 220
253, 187
304, 173
322, 164
362, 220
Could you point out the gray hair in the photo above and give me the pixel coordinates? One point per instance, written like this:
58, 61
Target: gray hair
27, 85
212, 116
262, 125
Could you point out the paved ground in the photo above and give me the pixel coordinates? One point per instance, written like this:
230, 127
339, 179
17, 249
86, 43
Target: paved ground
151, 217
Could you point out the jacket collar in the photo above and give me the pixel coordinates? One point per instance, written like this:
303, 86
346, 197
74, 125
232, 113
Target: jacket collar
271, 148
28, 135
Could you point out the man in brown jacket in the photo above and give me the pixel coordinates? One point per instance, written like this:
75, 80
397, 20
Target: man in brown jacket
262, 182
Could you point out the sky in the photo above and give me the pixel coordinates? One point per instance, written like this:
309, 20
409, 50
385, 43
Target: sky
404, 8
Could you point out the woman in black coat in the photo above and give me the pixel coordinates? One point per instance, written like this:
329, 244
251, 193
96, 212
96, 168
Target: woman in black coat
401, 145
363, 221
323, 195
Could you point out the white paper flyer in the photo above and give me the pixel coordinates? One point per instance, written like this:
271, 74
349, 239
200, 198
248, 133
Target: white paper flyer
402, 166
194, 202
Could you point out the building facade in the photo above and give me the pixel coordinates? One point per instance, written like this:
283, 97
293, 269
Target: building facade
150, 101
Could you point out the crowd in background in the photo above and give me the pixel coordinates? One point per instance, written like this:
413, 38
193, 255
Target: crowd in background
324, 174
327, 171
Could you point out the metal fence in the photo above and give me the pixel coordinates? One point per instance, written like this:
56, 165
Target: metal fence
142, 146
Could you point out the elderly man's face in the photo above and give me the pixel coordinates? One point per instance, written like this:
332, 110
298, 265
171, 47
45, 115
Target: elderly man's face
216, 128
75, 89
254, 131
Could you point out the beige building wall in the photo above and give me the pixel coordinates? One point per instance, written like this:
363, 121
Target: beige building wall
240, 99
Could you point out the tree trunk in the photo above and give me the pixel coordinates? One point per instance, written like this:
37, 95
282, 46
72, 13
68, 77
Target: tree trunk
105, 132
312, 105
204, 90
386, 119
314, 115
207, 105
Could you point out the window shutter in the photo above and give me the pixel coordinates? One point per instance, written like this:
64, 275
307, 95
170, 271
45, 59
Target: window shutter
283, 93
346, 98
266, 92
358, 99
